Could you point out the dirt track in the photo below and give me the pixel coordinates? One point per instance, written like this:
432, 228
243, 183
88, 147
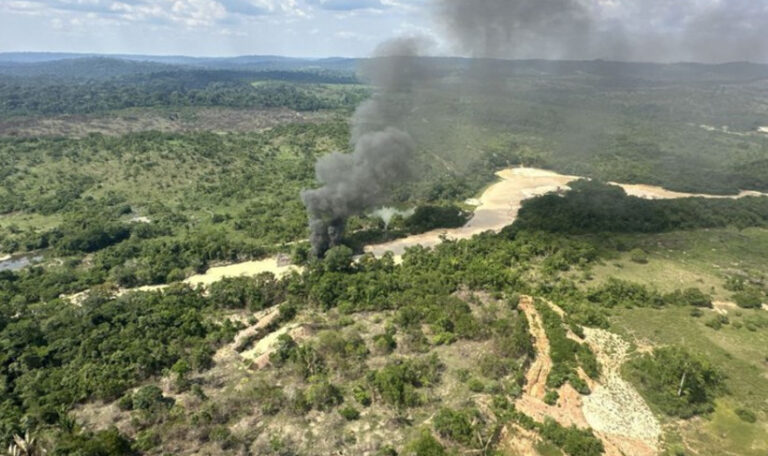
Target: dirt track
614, 410
536, 378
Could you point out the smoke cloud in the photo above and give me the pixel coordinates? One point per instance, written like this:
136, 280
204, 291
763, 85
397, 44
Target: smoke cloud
382, 148
516, 28
707, 31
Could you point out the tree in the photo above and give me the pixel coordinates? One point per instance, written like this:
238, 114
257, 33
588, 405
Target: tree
338, 259
423, 444
676, 381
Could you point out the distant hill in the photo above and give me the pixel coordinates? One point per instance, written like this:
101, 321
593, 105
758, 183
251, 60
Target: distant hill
251, 63
31, 64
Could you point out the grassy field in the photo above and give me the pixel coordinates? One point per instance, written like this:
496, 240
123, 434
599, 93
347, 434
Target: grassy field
739, 353
678, 260
703, 259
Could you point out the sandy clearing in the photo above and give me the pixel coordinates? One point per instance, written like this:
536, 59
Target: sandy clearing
516, 441
496, 208
499, 204
212, 275
568, 409
653, 192
615, 409
723, 307
247, 269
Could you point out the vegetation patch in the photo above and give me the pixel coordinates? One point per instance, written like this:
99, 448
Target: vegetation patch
676, 382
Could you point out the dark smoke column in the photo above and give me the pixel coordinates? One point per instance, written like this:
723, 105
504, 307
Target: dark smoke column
382, 148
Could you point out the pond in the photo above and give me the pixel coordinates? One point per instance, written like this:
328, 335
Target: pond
18, 262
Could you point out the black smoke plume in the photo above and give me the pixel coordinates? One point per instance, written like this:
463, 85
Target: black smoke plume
382, 144
382, 147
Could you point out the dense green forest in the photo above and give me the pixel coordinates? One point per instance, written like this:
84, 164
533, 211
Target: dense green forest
593, 207
427, 353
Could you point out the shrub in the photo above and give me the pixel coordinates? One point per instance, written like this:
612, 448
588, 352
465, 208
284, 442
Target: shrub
717, 322
746, 415
362, 395
149, 397
423, 444
695, 297
427, 218
398, 381
384, 343
617, 292
457, 425
676, 382
126, 402
551, 397
322, 395
476, 385
574, 441
349, 413
638, 256
749, 299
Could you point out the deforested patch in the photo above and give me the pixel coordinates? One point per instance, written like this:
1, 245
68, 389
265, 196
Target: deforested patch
615, 408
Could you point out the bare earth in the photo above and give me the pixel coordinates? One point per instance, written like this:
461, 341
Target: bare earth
212, 275
615, 411
499, 205
496, 208
247, 269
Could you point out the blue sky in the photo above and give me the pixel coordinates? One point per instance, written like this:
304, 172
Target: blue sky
658, 30
309, 28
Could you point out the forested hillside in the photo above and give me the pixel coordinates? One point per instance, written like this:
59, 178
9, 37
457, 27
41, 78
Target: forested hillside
596, 323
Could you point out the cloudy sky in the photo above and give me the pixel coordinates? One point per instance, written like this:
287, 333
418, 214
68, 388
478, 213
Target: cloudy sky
660, 30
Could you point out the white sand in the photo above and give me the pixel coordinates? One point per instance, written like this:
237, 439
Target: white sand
247, 269
615, 407
498, 206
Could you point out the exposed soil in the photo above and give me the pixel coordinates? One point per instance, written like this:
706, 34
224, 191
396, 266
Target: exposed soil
536, 378
500, 203
568, 409
247, 269
724, 307
496, 208
516, 441
615, 409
